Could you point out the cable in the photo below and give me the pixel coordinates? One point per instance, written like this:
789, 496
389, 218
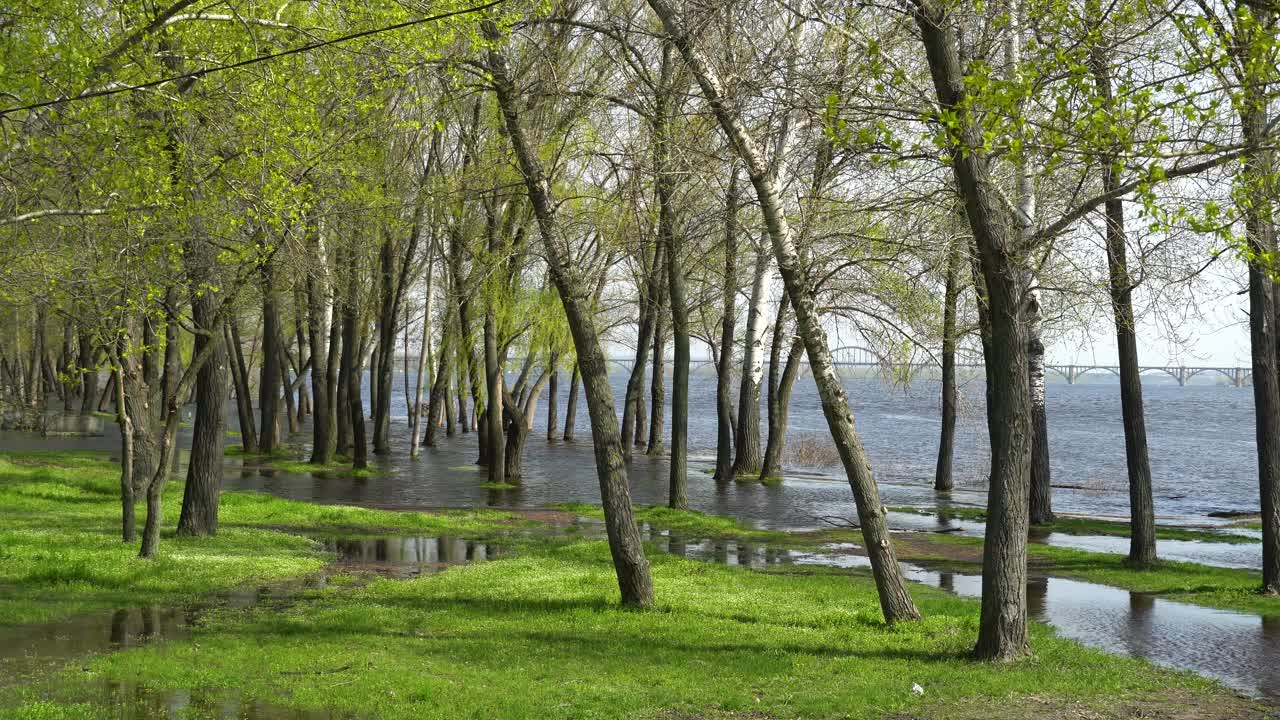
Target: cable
195, 75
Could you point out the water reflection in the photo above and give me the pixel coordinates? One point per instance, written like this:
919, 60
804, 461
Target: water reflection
131, 701
407, 556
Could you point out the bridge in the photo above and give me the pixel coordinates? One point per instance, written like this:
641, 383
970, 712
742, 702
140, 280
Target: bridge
855, 357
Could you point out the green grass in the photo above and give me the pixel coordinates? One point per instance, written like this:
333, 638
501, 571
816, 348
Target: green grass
61, 553
688, 523
1087, 526
1224, 588
540, 636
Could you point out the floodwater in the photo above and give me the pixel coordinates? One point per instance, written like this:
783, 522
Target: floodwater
1202, 456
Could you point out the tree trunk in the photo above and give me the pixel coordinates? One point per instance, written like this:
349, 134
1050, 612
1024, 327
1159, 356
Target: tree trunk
290, 411
87, 360
380, 379
1259, 190
324, 423
644, 337
746, 460
665, 180
653, 443
895, 602
199, 516
351, 365
1041, 504
1142, 523
942, 478
240, 378
625, 545
495, 445
439, 400
1002, 631
35, 378
553, 402
642, 409
128, 498
424, 351
725, 429
269, 381
571, 406
779, 407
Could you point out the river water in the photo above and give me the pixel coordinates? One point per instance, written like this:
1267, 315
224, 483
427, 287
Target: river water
1201, 436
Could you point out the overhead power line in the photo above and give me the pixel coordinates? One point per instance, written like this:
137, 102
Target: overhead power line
197, 74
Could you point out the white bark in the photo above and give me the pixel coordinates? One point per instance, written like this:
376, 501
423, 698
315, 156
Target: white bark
753, 344
424, 354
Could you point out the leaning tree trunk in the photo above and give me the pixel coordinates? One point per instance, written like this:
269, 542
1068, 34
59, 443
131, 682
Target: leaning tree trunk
625, 545
746, 459
729, 292
1142, 523
380, 379
942, 477
1002, 628
895, 601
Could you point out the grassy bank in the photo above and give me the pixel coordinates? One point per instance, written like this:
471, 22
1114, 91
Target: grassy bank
540, 635
60, 548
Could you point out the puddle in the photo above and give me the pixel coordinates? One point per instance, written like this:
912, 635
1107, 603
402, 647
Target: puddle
1240, 650
408, 556
30, 652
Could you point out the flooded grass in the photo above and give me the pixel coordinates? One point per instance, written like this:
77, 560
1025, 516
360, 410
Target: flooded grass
1085, 526
689, 523
540, 635
1223, 588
